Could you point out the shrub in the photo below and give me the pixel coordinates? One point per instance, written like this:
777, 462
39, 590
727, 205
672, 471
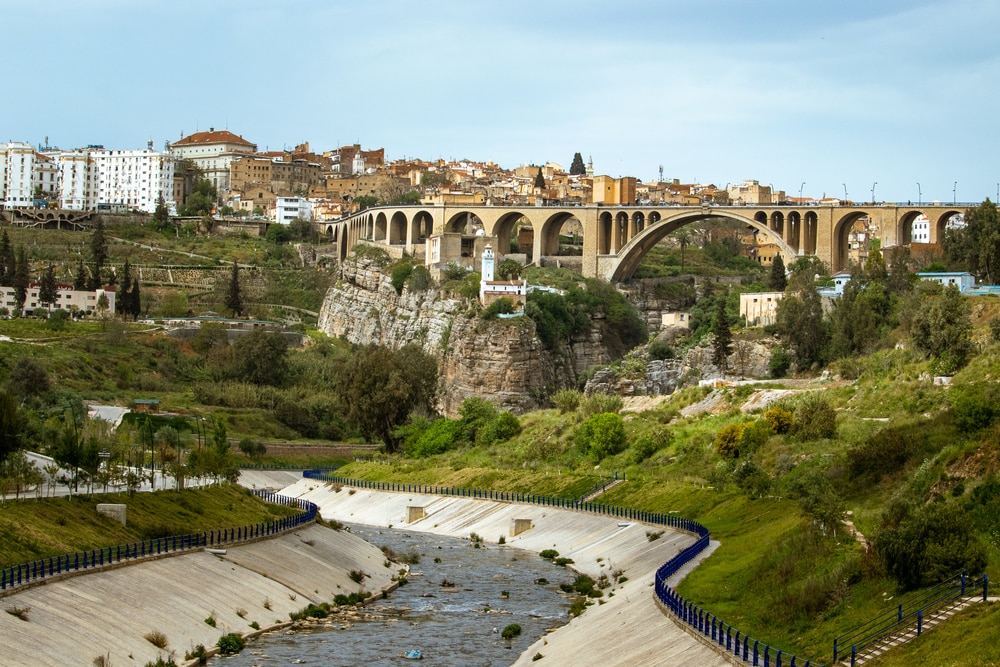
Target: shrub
511, 631
779, 362
648, 443
602, 435
357, 576
727, 440
20, 612
399, 276
198, 652
503, 305
975, 406
419, 279
210, 620
548, 554
567, 400
599, 403
439, 437
156, 638
230, 644
814, 418
922, 546
499, 429
660, 350
884, 452
779, 419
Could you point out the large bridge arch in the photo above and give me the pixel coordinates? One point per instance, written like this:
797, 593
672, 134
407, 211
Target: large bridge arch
940, 222
547, 233
840, 239
633, 252
503, 229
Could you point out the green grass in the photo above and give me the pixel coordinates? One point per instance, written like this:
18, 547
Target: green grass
969, 639
39, 528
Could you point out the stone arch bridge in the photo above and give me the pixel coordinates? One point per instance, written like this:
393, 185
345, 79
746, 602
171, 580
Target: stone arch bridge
616, 238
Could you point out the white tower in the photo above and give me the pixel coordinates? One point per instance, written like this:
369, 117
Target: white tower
487, 276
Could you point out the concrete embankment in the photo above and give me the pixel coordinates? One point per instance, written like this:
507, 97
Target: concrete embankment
74, 620
626, 629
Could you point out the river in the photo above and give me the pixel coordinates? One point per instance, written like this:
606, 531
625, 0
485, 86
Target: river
456, 604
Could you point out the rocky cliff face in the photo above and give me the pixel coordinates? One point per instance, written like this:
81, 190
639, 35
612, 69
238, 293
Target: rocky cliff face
500, 360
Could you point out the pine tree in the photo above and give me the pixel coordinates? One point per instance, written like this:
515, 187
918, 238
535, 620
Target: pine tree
21, 278
539, 179
48, 290
123, 303
723, 335
234, 299
777, 281
577, 168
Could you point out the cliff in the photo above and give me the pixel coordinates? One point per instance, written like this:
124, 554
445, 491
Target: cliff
501, 360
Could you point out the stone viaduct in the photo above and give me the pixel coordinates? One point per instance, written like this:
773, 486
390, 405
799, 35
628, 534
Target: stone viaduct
616, 238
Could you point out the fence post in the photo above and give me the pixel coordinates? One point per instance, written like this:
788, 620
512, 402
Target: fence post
986, 586
899, 613
920, 621
755, 653
835, 650
963, 583
767, 655
854, 654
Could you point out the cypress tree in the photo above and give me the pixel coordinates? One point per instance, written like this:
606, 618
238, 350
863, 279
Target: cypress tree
777, 281
98, 253
21, 279
47, 290
80, 281
539, 179
234, 299
723, 335
134, 300
577, 168
6, 261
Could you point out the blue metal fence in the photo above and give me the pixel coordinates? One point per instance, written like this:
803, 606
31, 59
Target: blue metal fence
729, 639
27, 573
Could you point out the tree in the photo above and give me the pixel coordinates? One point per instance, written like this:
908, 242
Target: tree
98, 253
234, 298
201, 201
80, 281
378, 389
942, 328
134, 300
260, 357
48, 291
977, 245
10, 425
28, 377
539, 179
21, 279
7, 262
801, 328
123, 304
278, 233
776, 281
162, 214
683, 238
302, 230
365, 201
723, 345
509, 269
577, 168
863, 315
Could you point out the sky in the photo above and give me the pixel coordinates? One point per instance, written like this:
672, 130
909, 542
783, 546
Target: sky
892, 98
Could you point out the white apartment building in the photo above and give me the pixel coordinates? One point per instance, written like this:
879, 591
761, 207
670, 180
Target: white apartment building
17, 188
133, 179
287, 209
74, 180
920, 232
84, 301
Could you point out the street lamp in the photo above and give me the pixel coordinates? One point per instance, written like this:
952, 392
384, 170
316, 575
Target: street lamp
953, 197
800, 192
873, 191
845, 191
920, 194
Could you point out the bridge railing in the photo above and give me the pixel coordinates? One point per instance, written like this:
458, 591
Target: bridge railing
23, 574
720, 634
868, 638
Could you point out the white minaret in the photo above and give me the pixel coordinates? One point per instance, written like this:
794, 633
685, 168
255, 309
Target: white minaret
487, 270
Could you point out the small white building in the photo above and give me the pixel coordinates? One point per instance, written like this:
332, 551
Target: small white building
68, 299
962, 280
678, 319
490, 289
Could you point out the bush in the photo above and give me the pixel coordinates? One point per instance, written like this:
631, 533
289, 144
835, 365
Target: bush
975, 406
727, 440
602, 435
399, 276
648, 443
596, 404
884, 452
419, 279
814, 418
779, 362
439, 437
501, 428
922, 546
660, 350
567, 400
548, 554
511, 631
156, 638
230, 644
779, 419
501, 306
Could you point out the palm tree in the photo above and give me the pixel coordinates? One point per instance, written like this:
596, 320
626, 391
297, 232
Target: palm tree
683, 238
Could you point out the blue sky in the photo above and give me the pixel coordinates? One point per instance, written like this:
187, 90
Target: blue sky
717, 91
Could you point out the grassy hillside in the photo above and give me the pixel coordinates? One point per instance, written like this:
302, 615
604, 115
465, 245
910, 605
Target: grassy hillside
39, 528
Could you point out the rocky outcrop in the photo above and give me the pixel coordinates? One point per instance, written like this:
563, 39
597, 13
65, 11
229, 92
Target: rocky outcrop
501, 360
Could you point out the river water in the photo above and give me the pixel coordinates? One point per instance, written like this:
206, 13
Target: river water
453, 610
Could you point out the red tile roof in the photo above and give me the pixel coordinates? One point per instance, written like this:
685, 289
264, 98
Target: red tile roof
213, 137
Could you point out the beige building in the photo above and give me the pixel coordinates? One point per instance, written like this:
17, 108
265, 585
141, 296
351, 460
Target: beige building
760, 308
613, 191
213, 152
